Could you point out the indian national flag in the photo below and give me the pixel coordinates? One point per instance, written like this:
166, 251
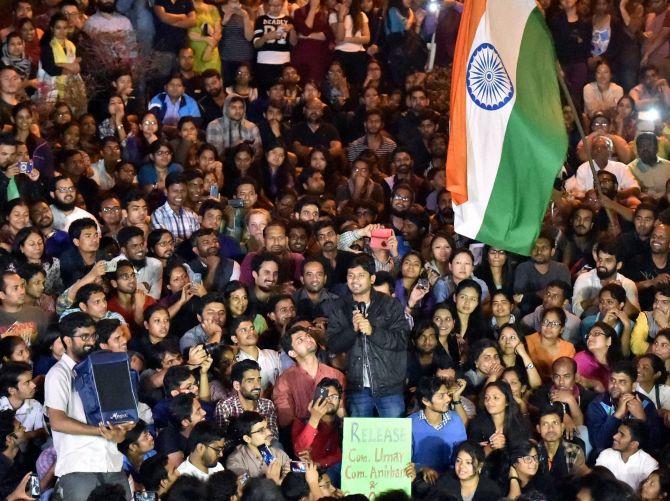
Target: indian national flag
508, 137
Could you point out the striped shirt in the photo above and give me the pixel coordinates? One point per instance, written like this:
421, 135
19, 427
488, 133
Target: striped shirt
359, 145
182, 225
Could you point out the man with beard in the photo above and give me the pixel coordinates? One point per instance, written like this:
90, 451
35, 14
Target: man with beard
317, 431
129, 301
300, 237
212, 322
276, 243
71, 164
265, 273
233, 128
371, 328
626, 459
215, 271
575, 248
649, 169
444, 217
588, 284
215, 96
313, 299
55, 241
64, 210
212, 215
606, 411
531, 277
336, 261
16, 317
78, 260
636, 242
149, 269
652, 268
402, 199
314, 132
246, 378
375, 138
401, 163
409, 133
558, 457
205, 446
87, 455
106, 21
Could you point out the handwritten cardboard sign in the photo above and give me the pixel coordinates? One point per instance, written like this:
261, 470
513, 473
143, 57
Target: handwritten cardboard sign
375, 453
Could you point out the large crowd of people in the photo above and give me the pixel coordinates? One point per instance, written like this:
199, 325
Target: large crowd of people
246, 201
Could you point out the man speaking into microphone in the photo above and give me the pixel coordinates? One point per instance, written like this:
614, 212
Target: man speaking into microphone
371, 329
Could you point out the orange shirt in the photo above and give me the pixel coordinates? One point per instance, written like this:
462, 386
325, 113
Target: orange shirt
542, 359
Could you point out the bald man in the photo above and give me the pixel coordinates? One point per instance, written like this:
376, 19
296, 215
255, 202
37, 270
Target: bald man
601, 152
653, 267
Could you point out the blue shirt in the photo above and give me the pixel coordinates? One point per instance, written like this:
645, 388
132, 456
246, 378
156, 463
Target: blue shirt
434, 447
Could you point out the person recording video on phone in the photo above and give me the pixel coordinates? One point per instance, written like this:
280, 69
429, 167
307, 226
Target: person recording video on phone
372, 329
318, 433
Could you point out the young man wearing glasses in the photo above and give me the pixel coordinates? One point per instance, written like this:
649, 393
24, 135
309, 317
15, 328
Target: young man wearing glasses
205, 447
87, 455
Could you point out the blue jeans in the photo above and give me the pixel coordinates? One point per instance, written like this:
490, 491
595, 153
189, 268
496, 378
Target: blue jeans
363, 404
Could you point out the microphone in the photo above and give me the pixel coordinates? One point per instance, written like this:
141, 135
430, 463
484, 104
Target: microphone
362, 308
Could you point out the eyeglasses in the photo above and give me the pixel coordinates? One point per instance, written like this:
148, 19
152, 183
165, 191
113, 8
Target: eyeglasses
596, 333
401, 198
163, 153
534, 458
551, 323
259, 430
114, 208
87, 337
69, 189
218, 450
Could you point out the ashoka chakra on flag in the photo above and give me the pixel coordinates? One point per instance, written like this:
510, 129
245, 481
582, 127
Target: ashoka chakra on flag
488, 83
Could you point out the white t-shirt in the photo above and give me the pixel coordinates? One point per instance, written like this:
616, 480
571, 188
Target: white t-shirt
638, 467
270, 365
76, 453
30, 414
348, 28
663, 395
583, 178
187, 468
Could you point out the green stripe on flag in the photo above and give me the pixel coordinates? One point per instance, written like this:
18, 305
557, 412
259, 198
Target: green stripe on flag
533, 150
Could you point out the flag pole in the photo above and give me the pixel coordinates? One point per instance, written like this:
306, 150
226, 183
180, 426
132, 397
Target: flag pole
587, 145
578, 123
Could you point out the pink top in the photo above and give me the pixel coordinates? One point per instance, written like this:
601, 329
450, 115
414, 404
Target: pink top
589, 368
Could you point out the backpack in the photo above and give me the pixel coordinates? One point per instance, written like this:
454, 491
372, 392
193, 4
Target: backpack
107, 387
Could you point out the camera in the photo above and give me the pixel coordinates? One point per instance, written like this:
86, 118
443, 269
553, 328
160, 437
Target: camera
378, 238
213, 349
236, 203
25, 167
